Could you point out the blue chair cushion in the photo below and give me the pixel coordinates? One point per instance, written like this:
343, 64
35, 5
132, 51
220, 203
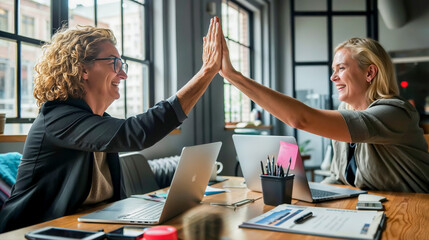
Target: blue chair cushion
9, 167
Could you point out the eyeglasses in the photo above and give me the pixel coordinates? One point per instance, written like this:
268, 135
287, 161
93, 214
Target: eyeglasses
118, 64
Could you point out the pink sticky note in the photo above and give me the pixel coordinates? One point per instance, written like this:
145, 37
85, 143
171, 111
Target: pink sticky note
287, 151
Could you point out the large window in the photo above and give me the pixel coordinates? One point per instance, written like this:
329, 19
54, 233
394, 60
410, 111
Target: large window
3, 19
127, 19
236, 22
20, 46
20, 43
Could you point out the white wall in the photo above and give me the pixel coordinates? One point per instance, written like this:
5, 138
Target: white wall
414, 34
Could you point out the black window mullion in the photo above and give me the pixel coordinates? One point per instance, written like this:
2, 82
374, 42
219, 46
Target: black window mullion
149, 48
95, 12
368, 17
330, 57
18, 78
292, 20
123, 53
16, 37
251, 54
16, 17
240, 51
229, 85
372, 19
18, 61
59, 14
238, 42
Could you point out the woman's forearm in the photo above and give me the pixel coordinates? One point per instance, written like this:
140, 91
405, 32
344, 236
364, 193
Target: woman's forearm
189, 94
274, 102
327, 123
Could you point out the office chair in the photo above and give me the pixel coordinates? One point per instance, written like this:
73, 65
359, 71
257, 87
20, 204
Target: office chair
137, 175
325, 166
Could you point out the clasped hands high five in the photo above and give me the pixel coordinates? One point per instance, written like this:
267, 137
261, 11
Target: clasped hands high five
215, 52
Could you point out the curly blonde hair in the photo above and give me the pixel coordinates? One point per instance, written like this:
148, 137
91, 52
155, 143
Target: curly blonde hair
367, 51
59, 70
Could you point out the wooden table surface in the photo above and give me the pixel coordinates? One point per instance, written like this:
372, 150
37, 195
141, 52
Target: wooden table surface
407, 215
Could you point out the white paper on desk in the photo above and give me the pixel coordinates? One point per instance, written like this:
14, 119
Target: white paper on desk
212, 190
324, 222
162, 196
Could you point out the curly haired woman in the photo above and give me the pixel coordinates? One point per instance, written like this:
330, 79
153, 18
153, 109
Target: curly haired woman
70, 157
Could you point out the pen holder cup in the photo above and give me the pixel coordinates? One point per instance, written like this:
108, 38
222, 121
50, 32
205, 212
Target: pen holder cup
277, 190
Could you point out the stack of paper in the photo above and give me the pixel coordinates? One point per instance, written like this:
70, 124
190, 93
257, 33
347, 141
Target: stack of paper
329, 222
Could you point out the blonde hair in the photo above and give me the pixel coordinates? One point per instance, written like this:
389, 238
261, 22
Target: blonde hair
367, 51
59, 69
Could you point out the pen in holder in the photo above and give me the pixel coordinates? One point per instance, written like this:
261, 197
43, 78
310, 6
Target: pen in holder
277, 190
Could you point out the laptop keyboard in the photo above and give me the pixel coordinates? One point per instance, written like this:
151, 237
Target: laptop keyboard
316, 193
149, 210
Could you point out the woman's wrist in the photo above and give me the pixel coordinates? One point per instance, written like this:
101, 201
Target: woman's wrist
207, 72
232, 75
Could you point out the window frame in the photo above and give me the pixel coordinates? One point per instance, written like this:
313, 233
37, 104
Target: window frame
59, 16
251, 49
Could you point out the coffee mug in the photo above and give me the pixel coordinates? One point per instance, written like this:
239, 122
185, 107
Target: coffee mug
217, 168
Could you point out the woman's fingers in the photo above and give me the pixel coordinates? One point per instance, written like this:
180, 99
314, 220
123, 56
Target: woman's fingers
221, 33
210, 33
222, 37
218, 41
212, 46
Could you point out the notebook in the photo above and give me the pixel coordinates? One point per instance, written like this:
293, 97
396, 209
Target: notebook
251, 149
186, 191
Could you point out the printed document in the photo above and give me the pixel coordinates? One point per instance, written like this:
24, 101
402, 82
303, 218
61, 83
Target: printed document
323, 222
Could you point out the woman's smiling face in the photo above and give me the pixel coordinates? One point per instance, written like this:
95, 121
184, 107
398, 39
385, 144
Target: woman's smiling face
350, 80
102, 80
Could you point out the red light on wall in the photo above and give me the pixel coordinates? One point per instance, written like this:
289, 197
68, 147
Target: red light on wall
404, 84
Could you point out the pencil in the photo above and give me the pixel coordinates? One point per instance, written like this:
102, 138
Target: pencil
288, 167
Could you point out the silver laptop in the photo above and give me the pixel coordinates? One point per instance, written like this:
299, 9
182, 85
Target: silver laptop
186, 191
251, 149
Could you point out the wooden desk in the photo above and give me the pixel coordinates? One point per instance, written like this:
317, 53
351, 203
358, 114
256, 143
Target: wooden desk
407, 216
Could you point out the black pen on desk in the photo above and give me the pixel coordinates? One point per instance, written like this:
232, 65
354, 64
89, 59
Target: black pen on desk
303, 218
262, 168
268, 166
273, 165
288, 167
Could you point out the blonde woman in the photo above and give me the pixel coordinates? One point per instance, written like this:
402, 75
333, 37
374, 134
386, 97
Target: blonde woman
70, 157
376, 138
